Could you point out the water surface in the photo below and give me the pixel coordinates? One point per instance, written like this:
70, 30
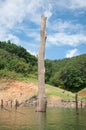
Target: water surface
54, 119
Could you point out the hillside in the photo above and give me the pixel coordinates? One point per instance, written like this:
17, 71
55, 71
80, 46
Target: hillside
17, 63
26, 94
69, 74
18, 77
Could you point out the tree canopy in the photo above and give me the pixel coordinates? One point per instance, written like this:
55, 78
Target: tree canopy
68, 73
16, 58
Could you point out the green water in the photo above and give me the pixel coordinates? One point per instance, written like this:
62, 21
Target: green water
53, 119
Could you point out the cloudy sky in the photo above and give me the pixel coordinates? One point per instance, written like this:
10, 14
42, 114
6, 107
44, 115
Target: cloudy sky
66, 25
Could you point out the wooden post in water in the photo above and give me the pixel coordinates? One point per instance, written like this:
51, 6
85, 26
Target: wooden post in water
16, 104
2, 104
41, 102
11, 103
76, 101
81, 103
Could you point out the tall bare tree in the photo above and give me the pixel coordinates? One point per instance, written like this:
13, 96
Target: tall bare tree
41, 102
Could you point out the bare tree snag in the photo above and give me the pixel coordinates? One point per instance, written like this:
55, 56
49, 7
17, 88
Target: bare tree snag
76, 101
41, 102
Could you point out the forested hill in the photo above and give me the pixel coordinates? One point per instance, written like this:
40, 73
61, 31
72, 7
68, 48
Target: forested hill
16, 62
69, 73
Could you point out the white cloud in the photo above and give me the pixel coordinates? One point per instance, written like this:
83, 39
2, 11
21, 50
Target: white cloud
66, 26
72, 53
34, 53
11, 37
70, 4
13, 14
66, 39
34, 34
66, 33
48, 11
77, 4
15, 11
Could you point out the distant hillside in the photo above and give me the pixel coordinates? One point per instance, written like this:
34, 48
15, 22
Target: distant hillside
17, 63
69, 74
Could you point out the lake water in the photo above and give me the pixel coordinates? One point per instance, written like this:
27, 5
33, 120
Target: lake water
54, 119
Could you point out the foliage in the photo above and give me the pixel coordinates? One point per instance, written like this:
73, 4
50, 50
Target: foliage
16, 59
69, 73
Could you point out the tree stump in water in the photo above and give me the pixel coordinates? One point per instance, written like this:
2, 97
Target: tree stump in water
41, 102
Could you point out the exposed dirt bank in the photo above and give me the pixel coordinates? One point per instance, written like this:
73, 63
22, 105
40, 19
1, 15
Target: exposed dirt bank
25, 93
13, 89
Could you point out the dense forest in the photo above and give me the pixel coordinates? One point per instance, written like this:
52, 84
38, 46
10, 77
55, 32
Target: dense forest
69, 73
16, 62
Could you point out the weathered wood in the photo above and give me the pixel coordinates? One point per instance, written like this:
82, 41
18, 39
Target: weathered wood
2, 103
11, 103
76, 101
41, 102
81, 103
16, 104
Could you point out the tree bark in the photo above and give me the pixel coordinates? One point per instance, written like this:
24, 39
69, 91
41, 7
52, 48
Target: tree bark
41, 102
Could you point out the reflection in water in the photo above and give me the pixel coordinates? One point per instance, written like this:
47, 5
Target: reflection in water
41, 120
53, 119
22, 118
77, 122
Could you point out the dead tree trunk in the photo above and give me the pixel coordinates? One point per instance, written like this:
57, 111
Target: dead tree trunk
76, 101
41, 102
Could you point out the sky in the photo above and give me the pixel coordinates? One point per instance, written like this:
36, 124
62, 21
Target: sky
20, 22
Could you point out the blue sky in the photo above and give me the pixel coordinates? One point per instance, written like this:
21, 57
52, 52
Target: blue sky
66, 25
